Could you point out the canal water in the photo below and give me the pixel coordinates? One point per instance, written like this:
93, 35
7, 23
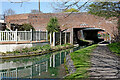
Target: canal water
46, 66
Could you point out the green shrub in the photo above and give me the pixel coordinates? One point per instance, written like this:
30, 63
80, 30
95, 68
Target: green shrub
115, 47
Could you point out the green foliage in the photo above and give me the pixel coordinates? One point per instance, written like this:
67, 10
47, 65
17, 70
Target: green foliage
115, 47
53, 25
105, 9
71, 10
26, 27
53, 71
40, 49
81, 60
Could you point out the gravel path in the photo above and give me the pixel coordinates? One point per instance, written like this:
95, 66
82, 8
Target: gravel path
104, 63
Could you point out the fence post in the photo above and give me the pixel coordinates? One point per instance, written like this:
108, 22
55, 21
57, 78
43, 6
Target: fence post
71, 36
39, 69
31, 34
46, 66
50, 38
0, 36
50, 61
60, 39
16, 73
110, 38
46, 35
39, 35
36, 35
60, 57
65, 38
16, 35
31, 71
53, 38
53, 60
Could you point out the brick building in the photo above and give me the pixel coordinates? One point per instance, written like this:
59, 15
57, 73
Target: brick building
39, 21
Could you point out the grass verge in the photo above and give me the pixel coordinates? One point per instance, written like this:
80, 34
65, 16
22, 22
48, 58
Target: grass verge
115, 48
81, 60
34, 51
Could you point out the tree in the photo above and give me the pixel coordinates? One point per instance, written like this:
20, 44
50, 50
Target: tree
8, 12
53, 25
107, 10
26, 27
71, 10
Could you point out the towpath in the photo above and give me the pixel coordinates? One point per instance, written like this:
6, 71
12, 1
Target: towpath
104, 64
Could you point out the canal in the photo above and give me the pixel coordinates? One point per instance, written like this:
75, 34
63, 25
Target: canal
46, 66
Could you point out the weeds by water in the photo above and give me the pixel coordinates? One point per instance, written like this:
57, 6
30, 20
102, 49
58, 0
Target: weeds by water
39, 49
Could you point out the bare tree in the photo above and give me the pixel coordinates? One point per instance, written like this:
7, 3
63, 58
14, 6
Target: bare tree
65, 5
8, 12
22, 1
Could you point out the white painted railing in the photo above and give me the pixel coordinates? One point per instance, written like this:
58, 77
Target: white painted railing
23, 35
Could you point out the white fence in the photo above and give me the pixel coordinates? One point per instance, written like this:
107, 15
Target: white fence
23, 35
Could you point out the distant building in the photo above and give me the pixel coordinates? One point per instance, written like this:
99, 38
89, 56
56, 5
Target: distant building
39, 21
2, 25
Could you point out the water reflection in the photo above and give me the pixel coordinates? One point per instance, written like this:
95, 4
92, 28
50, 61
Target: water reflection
39, 67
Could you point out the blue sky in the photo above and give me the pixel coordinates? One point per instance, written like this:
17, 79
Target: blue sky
27, 7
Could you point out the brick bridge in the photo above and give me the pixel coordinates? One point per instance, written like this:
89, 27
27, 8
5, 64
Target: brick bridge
75, 20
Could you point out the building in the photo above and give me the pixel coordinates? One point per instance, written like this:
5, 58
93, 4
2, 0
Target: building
39, 21
2, 25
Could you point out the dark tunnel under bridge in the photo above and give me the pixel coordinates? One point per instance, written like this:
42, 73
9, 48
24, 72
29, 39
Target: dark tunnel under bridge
81, 35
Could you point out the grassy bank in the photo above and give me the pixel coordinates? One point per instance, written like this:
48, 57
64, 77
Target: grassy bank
115, 48
81, 60
33, 51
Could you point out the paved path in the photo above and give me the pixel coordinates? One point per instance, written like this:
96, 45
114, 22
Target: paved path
104, 63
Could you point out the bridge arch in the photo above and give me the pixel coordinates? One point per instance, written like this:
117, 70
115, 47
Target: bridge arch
85, 33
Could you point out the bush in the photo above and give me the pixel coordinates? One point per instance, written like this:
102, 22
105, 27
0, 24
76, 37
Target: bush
115, 47
26, 27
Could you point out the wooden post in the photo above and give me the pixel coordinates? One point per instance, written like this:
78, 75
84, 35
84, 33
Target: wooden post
39, 69
53, 38
16, 73
60, 39
36, 35
46, 66
16, 35
25, 35
53, 60
39, 35
110, 38
0, 36
31, 35
65, 54
65, 38
31, 70
46, 35
50, 38
60, 57
71, 36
